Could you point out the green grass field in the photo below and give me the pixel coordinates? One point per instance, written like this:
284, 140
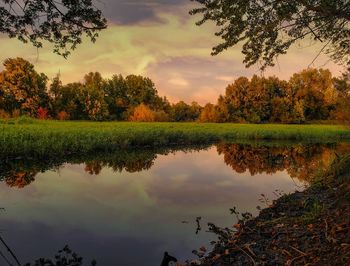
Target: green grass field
32, 137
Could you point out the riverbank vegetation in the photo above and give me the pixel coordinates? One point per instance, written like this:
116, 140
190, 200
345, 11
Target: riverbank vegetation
310, 227
309, 95
35, 137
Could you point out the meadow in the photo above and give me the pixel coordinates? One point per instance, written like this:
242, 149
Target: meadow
28, 137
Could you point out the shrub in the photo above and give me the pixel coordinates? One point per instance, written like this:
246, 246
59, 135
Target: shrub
143, 113
4, 114
161, 116
63, 115
43, 113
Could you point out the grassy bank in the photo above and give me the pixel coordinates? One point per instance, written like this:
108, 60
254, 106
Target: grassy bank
25, 136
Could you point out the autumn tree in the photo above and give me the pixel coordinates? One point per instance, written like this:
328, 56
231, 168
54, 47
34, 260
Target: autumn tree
223, 110
209, 113
342, 109
313, 93
142, 113
60, 22
235, 99
268, 28
22, 88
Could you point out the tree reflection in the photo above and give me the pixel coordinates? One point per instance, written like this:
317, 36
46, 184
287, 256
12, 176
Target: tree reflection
20, 172
20, 179
301, 161
129, 161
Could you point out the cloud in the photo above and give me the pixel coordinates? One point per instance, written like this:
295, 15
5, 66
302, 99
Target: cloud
163, 43
130, 12
179, 82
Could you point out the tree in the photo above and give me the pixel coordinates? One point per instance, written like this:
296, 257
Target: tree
60, 22
116, 97
209, 114
313, 92
235, 99
342, 110
182, 111
22, 88
268, 28
67, 99
92, 97
141, 90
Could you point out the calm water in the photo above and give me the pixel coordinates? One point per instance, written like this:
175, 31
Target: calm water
128, 208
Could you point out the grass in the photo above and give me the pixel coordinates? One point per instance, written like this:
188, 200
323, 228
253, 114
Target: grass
33, 137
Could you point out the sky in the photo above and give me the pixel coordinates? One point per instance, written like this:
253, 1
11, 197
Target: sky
159, 39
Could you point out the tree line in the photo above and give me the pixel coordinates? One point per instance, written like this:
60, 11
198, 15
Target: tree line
312, 94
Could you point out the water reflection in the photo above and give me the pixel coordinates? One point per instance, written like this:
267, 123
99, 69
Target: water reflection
131, 205
301, 161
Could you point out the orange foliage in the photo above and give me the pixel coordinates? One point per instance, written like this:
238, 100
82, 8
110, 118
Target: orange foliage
143, 113
43, 113
20, 179
63, 115
209, 114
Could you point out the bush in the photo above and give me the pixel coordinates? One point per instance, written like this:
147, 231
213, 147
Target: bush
161, 116
63, 115
143, 113
4, 114
43, 113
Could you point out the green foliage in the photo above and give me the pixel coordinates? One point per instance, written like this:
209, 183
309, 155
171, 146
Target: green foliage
309, 95
268, 28
60, 22
182, 111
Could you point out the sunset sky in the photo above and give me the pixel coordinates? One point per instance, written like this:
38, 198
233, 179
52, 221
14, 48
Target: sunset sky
159, 39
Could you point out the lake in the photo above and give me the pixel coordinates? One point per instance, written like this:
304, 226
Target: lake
128, 207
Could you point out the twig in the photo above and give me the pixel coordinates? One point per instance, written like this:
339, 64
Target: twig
289, 263
297, 250
247, 246
10, 251
5, 259
251, 258
287, 252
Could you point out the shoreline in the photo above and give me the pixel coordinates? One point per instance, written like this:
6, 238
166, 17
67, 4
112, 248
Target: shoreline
304, 228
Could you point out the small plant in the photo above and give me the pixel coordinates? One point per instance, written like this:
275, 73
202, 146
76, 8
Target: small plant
63, 115
264, 199
64, 257
43, 113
